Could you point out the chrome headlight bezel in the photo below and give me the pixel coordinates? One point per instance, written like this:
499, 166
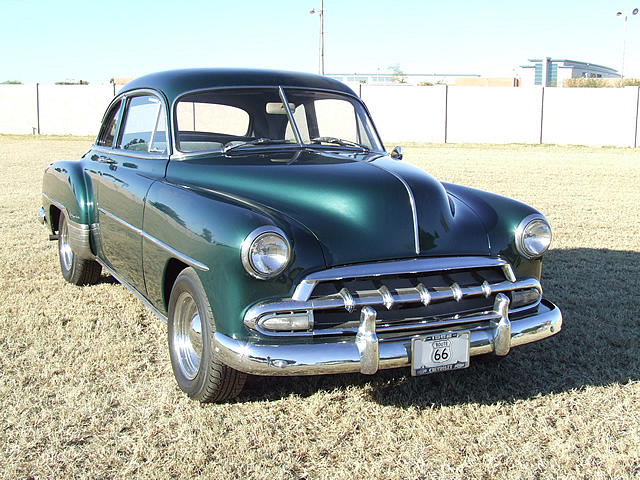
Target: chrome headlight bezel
523, 234
259, 234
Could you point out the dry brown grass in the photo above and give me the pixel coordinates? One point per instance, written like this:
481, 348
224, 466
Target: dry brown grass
86, 386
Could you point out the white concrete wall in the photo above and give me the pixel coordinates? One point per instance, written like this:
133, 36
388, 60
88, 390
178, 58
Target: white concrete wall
638, 120
590, 116
527, 77
18, 109
494, 115
407, 113
583, 116
73, 109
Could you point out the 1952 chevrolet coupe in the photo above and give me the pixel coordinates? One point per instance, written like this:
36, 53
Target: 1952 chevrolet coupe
258, 213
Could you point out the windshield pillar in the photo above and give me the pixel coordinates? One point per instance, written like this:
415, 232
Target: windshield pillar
293, 123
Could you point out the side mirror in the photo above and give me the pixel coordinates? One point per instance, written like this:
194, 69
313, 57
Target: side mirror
396, 153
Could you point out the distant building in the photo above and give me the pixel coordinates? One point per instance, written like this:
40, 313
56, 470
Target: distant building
121, 80
552, 72
386, 78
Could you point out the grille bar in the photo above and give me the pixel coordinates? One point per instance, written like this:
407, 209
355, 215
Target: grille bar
412, 326
413, 266
419, 294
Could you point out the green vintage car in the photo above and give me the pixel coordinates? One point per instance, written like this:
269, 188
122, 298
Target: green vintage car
258, 213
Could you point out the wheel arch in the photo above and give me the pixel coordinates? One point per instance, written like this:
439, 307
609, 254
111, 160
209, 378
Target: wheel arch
171, 272
54, 218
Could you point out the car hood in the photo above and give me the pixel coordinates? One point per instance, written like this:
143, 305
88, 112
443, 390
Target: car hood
360, 207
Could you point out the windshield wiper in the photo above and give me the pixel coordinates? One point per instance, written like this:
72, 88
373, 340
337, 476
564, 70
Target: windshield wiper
340, 141
257, 141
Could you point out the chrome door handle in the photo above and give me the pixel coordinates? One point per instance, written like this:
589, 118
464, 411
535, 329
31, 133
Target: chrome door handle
102, 159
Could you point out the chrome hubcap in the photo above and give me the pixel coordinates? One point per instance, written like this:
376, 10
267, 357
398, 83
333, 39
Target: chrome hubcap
187, 335
66, 254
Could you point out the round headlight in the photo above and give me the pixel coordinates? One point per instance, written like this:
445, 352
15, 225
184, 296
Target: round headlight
265, 252
533, 236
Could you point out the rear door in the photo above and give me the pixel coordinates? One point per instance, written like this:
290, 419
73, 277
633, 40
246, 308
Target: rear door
138, 158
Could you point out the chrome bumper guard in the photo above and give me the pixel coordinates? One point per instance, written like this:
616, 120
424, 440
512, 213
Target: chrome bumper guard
367, 352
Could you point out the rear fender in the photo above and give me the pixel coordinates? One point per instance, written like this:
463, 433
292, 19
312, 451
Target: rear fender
67, 191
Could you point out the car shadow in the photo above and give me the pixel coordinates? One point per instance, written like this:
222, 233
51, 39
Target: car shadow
598, 345
107, 279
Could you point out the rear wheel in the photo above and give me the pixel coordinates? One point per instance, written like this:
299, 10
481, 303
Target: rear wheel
76, 270
191, 328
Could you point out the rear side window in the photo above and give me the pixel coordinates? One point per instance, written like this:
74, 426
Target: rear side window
108, 130
212, 118
145, 126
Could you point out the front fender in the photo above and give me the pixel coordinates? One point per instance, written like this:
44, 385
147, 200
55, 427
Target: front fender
500, 217
209, 228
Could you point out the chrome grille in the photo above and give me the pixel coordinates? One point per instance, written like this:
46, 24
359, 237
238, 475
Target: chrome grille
406, 295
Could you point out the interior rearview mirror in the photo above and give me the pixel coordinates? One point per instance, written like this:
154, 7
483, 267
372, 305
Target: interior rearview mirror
277, 108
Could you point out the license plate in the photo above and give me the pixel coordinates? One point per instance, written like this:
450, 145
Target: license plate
439, 352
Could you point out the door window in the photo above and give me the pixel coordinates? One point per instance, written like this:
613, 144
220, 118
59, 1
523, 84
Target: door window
145, 126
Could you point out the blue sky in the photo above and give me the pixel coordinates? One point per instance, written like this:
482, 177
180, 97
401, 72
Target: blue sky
47, 41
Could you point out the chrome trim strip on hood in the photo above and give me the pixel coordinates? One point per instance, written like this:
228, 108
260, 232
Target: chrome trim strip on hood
412, 201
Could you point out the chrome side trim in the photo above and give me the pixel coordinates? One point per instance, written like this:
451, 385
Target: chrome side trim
134, 290
179, 255
340, 355
414, 209
130, 153
119, 220
415, 265
79, 239
79, 233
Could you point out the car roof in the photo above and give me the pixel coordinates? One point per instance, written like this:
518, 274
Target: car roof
174, 83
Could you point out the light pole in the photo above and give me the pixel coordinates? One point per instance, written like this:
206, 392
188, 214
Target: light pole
321, 12
624, 40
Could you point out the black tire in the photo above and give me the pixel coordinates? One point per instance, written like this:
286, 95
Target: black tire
76, 270
198, 373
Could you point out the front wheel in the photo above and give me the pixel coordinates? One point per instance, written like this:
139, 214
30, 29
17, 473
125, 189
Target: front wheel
190, 335
76, 270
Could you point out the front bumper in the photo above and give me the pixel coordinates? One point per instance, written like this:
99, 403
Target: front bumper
366, 353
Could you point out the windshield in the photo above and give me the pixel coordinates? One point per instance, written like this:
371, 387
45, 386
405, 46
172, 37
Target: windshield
222, 120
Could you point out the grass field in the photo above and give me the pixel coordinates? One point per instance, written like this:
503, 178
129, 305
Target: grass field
86, 388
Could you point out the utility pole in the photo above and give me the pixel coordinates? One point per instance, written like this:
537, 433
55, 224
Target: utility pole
624, 40
321, 47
